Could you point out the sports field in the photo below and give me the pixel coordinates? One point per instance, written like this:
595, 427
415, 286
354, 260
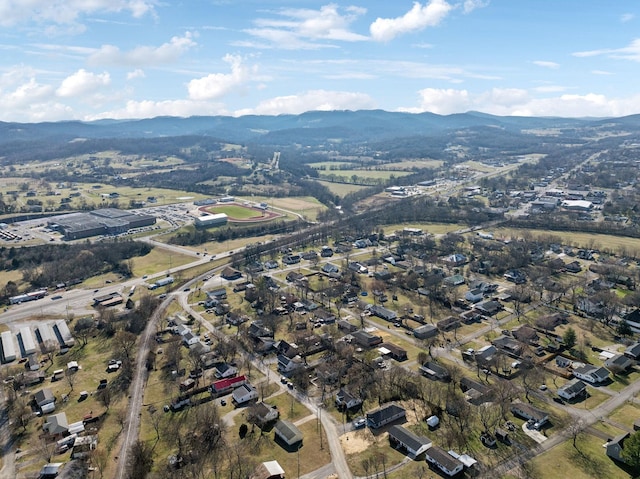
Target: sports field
241, 213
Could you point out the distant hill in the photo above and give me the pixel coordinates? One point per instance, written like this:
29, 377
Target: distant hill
311, 127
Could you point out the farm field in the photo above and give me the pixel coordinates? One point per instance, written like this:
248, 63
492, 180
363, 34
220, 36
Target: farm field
340, 189
372, 174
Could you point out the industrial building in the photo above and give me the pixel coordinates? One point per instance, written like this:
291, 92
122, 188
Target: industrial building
28, 344
208, 220
8, 347
106, 221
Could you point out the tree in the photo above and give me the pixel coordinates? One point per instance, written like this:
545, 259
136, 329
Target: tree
84, 328
141, 460
631, 452
569, 338
124, 342
624, 329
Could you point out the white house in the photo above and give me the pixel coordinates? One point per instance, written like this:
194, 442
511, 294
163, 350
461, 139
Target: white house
412, 443
244, 394
591, 374
189, 338
225, 370
572, 389
443, 461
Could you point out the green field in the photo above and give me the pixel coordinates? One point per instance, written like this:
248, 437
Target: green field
235, 211
341, 189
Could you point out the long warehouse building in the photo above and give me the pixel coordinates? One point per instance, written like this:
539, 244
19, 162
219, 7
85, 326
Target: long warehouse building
46, 334
64, 334
8, 347
106, 221
28, 343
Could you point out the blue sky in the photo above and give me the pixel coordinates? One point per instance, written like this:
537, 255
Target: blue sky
81, 59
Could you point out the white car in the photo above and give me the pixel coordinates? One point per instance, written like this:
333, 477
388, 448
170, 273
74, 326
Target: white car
359, 422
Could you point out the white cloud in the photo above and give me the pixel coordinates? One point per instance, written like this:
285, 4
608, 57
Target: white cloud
627, 17
546, 64
150, 109
26, 94
137, 73
522, 103
13, 12
144, 55
470, 5
601, 72
416, 19
302, 28
82, 82
630, 52
216, 85
322, 100
550, 89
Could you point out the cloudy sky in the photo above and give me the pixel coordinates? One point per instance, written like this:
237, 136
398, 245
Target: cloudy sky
87, 60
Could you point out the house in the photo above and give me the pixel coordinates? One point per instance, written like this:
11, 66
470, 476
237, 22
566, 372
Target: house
618, 363
287, 364
244, 394
455, 280
357, 267
573, 267
268, 470
474, 295
346, 400
508, 345
383, 313
323, 316
615, 446
443, 460
489, 307
257, 330
230, 274
573, 389
435, 371
384, 415
633, 351
425, 331
485, 354
475, 392
56, 425
515, 276
83, 446
448, 324
288, 433
295, 277
393, 351
526, 334
456, 259
43, 398
412, 443
531, 413
330, 268
50, 470
344, 325
225, 370
189, 339
264, 413
365, 339
591, 373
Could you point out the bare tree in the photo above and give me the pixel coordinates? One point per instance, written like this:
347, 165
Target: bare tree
124, 343
49, 348
140, 461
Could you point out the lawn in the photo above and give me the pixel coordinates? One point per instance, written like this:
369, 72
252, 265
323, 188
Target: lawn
626, 414
235, 211
585, 462
341, 189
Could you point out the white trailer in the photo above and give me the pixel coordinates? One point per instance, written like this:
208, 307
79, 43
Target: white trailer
64, 335
47, 335
8, 347
28, 343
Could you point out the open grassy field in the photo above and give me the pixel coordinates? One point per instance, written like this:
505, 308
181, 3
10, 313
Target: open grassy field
341, 189
433, 228
577, 239
411, 164
586, 461
234, 211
